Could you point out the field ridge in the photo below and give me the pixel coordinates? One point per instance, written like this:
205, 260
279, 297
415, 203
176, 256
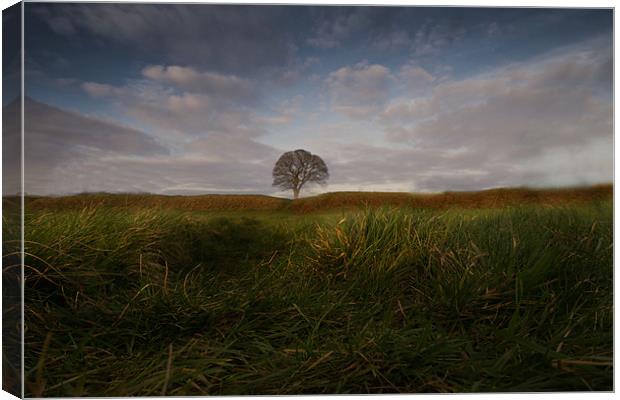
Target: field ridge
492, 198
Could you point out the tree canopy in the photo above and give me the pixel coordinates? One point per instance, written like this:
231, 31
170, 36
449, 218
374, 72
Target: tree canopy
296, 168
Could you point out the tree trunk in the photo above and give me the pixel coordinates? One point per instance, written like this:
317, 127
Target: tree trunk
295, 193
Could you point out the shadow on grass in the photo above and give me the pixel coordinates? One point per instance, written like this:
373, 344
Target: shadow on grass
231, 245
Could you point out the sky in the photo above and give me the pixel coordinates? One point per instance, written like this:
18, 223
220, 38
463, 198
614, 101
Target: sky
193, 99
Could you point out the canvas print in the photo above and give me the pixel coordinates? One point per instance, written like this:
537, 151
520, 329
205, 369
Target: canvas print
297, 199
12, 332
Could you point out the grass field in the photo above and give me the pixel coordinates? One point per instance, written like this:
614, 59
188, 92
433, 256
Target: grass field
138, 295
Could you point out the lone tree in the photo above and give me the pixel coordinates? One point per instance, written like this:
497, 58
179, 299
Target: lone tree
296, 168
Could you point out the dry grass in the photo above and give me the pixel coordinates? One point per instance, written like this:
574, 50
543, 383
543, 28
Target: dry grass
151, 201
494, 198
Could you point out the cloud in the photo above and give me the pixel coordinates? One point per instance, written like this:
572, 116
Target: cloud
339, 25
223, 86
294, 72
359, 89
167, 175
216, 104
552, 101
384, 28
432, 37
208, 123
54, 138
287, 111
100, 89
377, 167
401, 112
222, 148
64, 128
240, 39
415, 78
228, 81
214, 165
181, 115
392, 40
68, 152
411, 72
519, 116
542, 122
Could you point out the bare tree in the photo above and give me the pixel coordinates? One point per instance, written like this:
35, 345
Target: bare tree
296, 168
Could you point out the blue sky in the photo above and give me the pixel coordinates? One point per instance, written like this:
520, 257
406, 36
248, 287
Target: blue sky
203, 99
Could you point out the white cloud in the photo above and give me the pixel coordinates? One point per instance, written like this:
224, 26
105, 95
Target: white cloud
399, 112
187, 102
216, 105
537, 122
100, 89
552, 102
415, 79
194, 174
67, 152
286, 112
415, 73
525, 118
55, 139
359, 89
222, 148
541, 122
229, 87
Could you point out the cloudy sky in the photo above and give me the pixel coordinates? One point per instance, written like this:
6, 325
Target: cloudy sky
190, 99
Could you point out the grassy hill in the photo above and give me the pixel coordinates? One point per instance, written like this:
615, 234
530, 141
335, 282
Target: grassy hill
146, 295
493, 198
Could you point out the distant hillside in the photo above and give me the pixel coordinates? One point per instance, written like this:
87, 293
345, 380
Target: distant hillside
481, 199
330, 201
192, 203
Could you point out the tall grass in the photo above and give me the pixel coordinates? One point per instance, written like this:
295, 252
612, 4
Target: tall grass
123, 302
11, 296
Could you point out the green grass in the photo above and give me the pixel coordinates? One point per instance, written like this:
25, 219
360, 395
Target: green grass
382, 300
